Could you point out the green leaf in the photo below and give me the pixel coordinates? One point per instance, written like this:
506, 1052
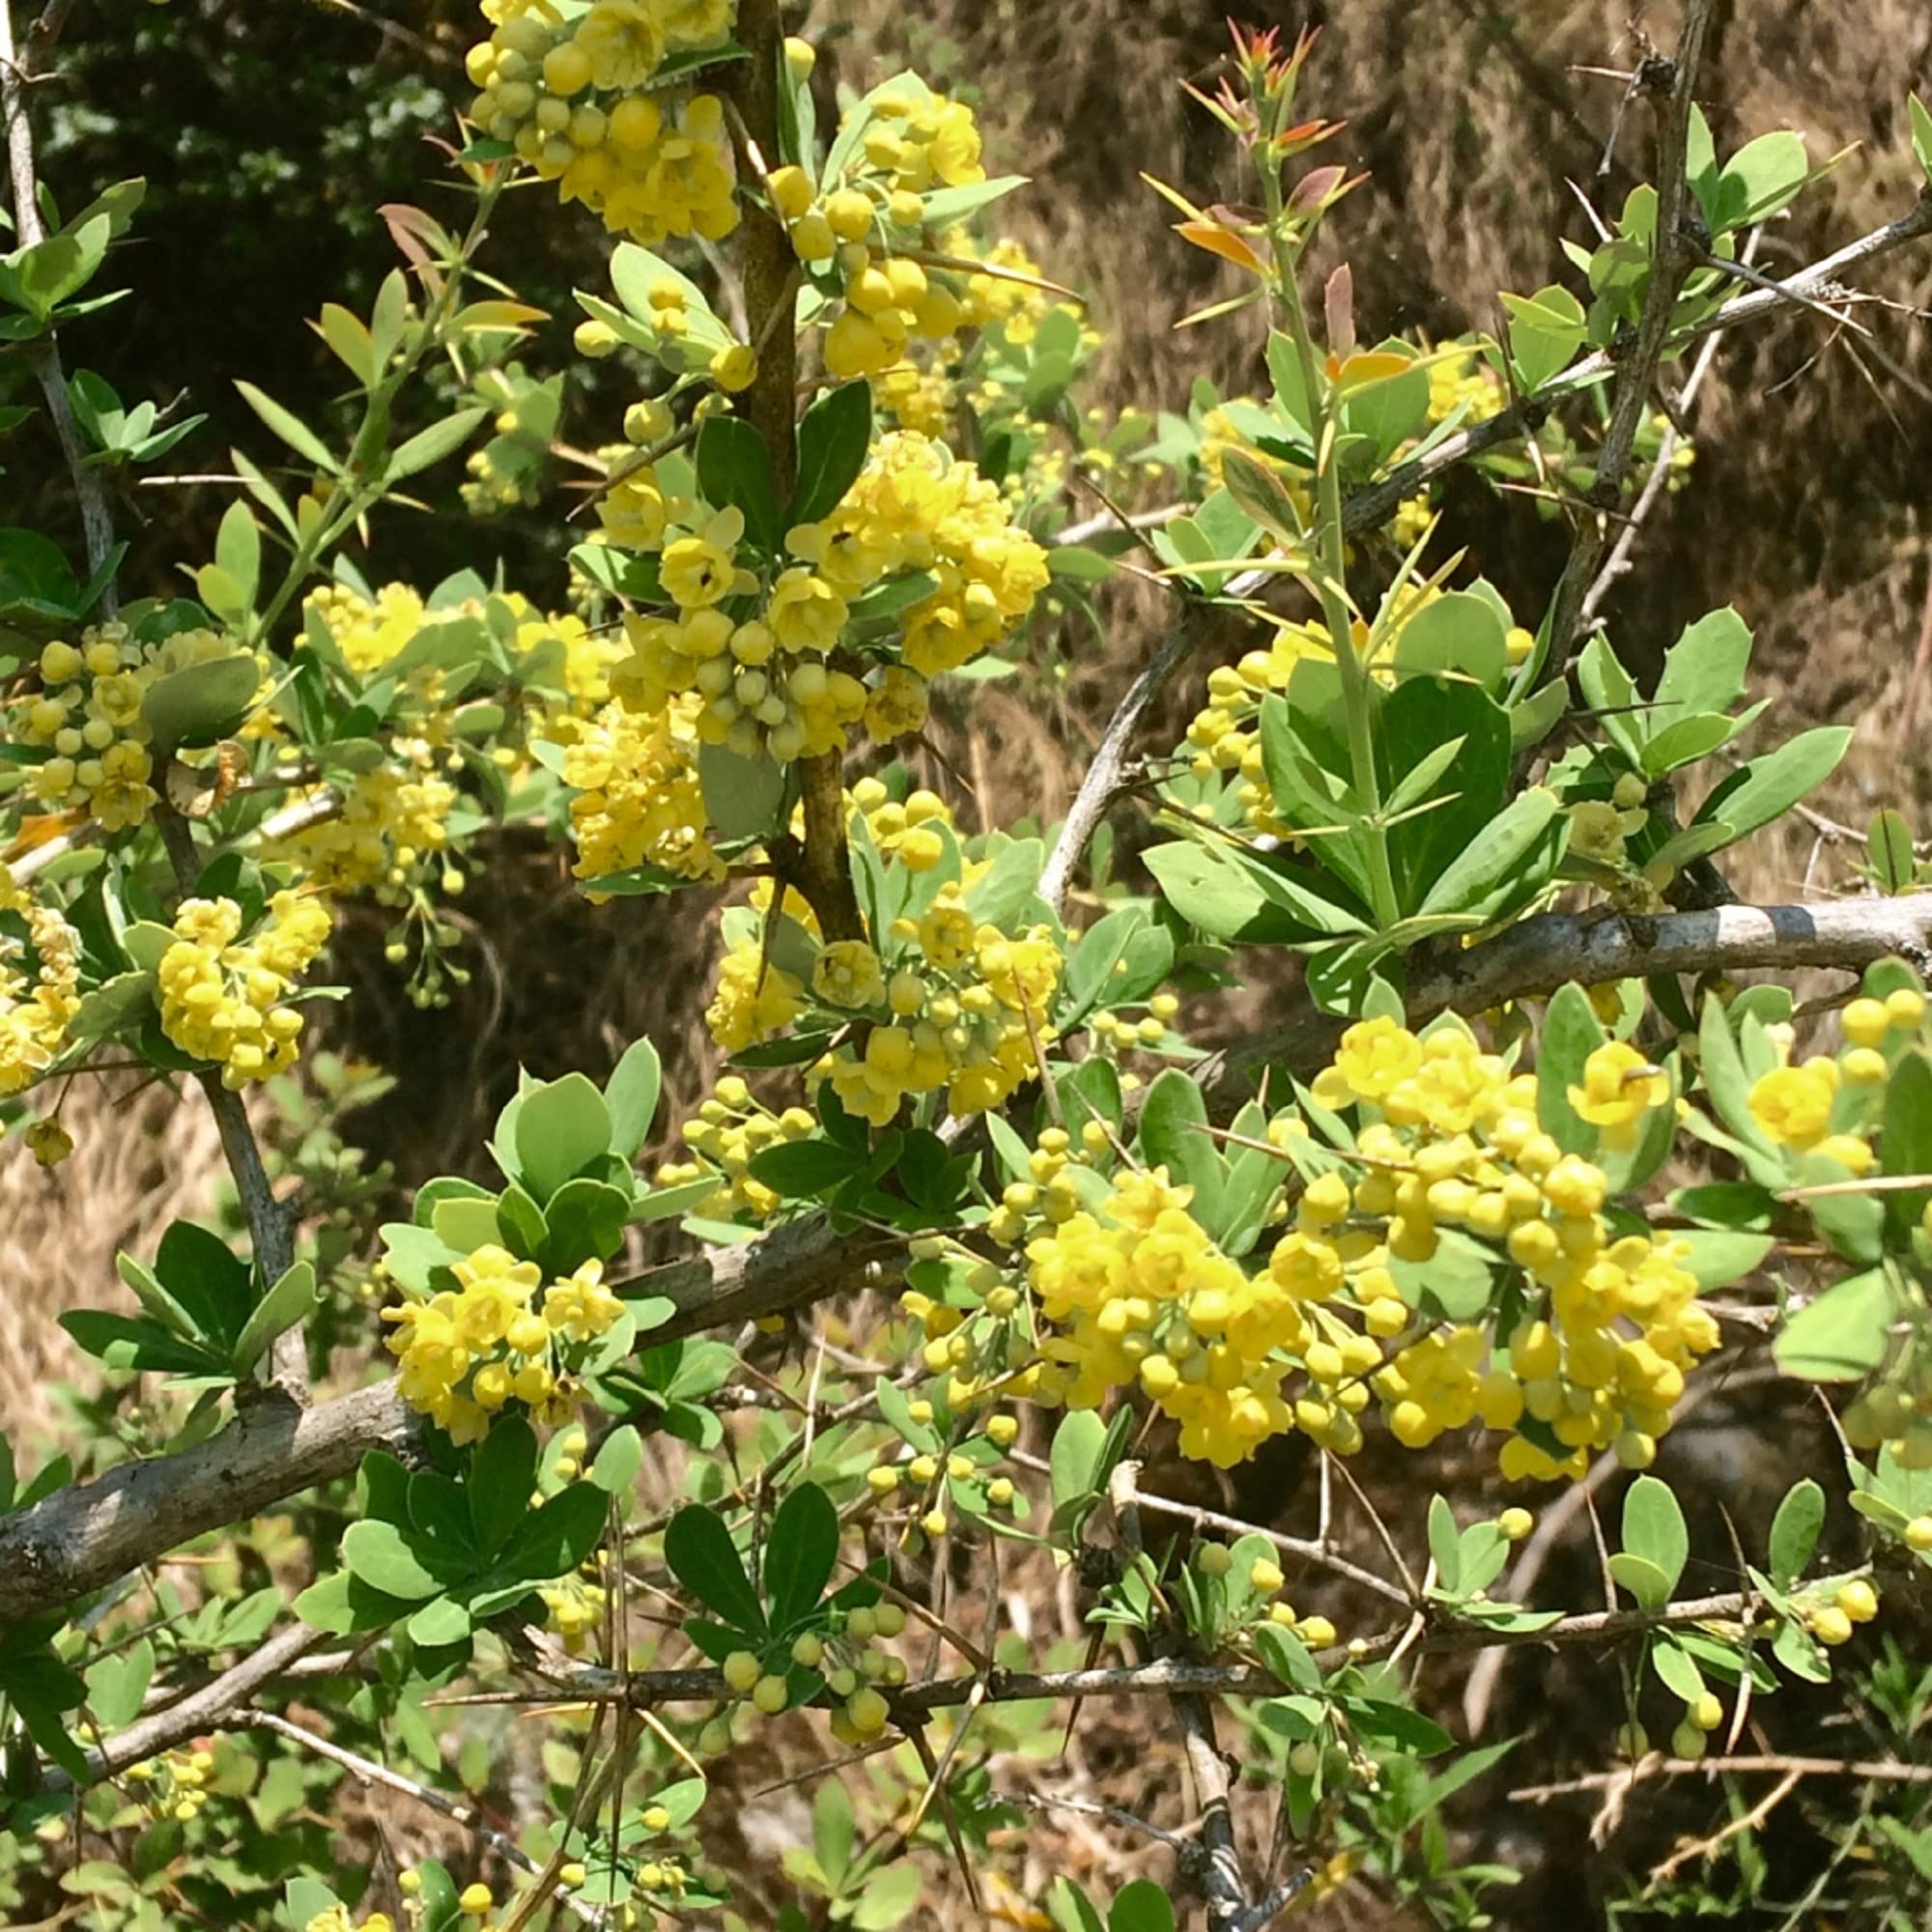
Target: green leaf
1459, 634
1684, 741
1704, 669
800, 1553
954, 203
238, 551
1571, 1033
1495, 865
1174, 1118
431, 445
1677, 1671
1654, 1528
1843, 1334
618, 1462
1762, 177
1141, 1906
1905, 1144
743, 798
799, 1170
1545, 331
1445, 1546
834, 1831
1212, 889
203, 1274
1795, 1530
502, 1471
1642, 1579
888, 1896
835, 438
1074, 1459
1397, 1725
1419, 716
149, 1292
1287, 1656
1921, 136
703, 1558
561, 1127
116, 1685
377, 1553
1889, 852
632, 1095
285, 1306
202, 702
291, 428
583, 1221
734, 471
1768, 787
51, 270
554, 1539
1002, 895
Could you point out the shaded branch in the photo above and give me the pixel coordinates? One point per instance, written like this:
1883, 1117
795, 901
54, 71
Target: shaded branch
44, 351
1672, 258
1551, 951
1369, 509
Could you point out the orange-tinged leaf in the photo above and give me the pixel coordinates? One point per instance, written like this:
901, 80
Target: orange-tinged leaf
42, 829
1221, 242
1371, 365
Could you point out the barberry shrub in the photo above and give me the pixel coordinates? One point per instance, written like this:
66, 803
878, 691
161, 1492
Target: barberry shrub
974, 1238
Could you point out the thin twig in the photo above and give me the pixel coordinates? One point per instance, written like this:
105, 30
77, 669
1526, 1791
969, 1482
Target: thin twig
1618, 563
43, 353
1670, 260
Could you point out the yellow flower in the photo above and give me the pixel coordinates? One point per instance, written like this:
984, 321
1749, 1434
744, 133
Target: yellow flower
847, 973
1619, 1088
699, 570
624, 40
1793, 1104
806, 613
1374, 1056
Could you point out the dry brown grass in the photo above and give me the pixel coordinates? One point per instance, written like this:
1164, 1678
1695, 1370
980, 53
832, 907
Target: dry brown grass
136, 1169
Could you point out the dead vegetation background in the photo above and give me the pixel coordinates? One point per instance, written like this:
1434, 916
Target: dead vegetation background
1808, 510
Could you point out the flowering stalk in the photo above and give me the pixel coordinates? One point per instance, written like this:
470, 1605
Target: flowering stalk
1272, 141
821, 869
353, 501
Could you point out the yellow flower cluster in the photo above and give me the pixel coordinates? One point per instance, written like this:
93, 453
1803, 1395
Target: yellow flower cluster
390, 821
467, 1352
965, 1011
88, 714
852, 1662
1143, 1296
1225, 735
223, 1000
337, 1920
771, 681
575, 1609
1139, 1294
869, 226
948, 1001
35, 1017
174, 1786
581, 101
1819, 1105
368, 632
640, 801
726, 1131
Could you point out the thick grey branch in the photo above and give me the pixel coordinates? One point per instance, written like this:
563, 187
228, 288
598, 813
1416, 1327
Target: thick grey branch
84, 1537
1543, 953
